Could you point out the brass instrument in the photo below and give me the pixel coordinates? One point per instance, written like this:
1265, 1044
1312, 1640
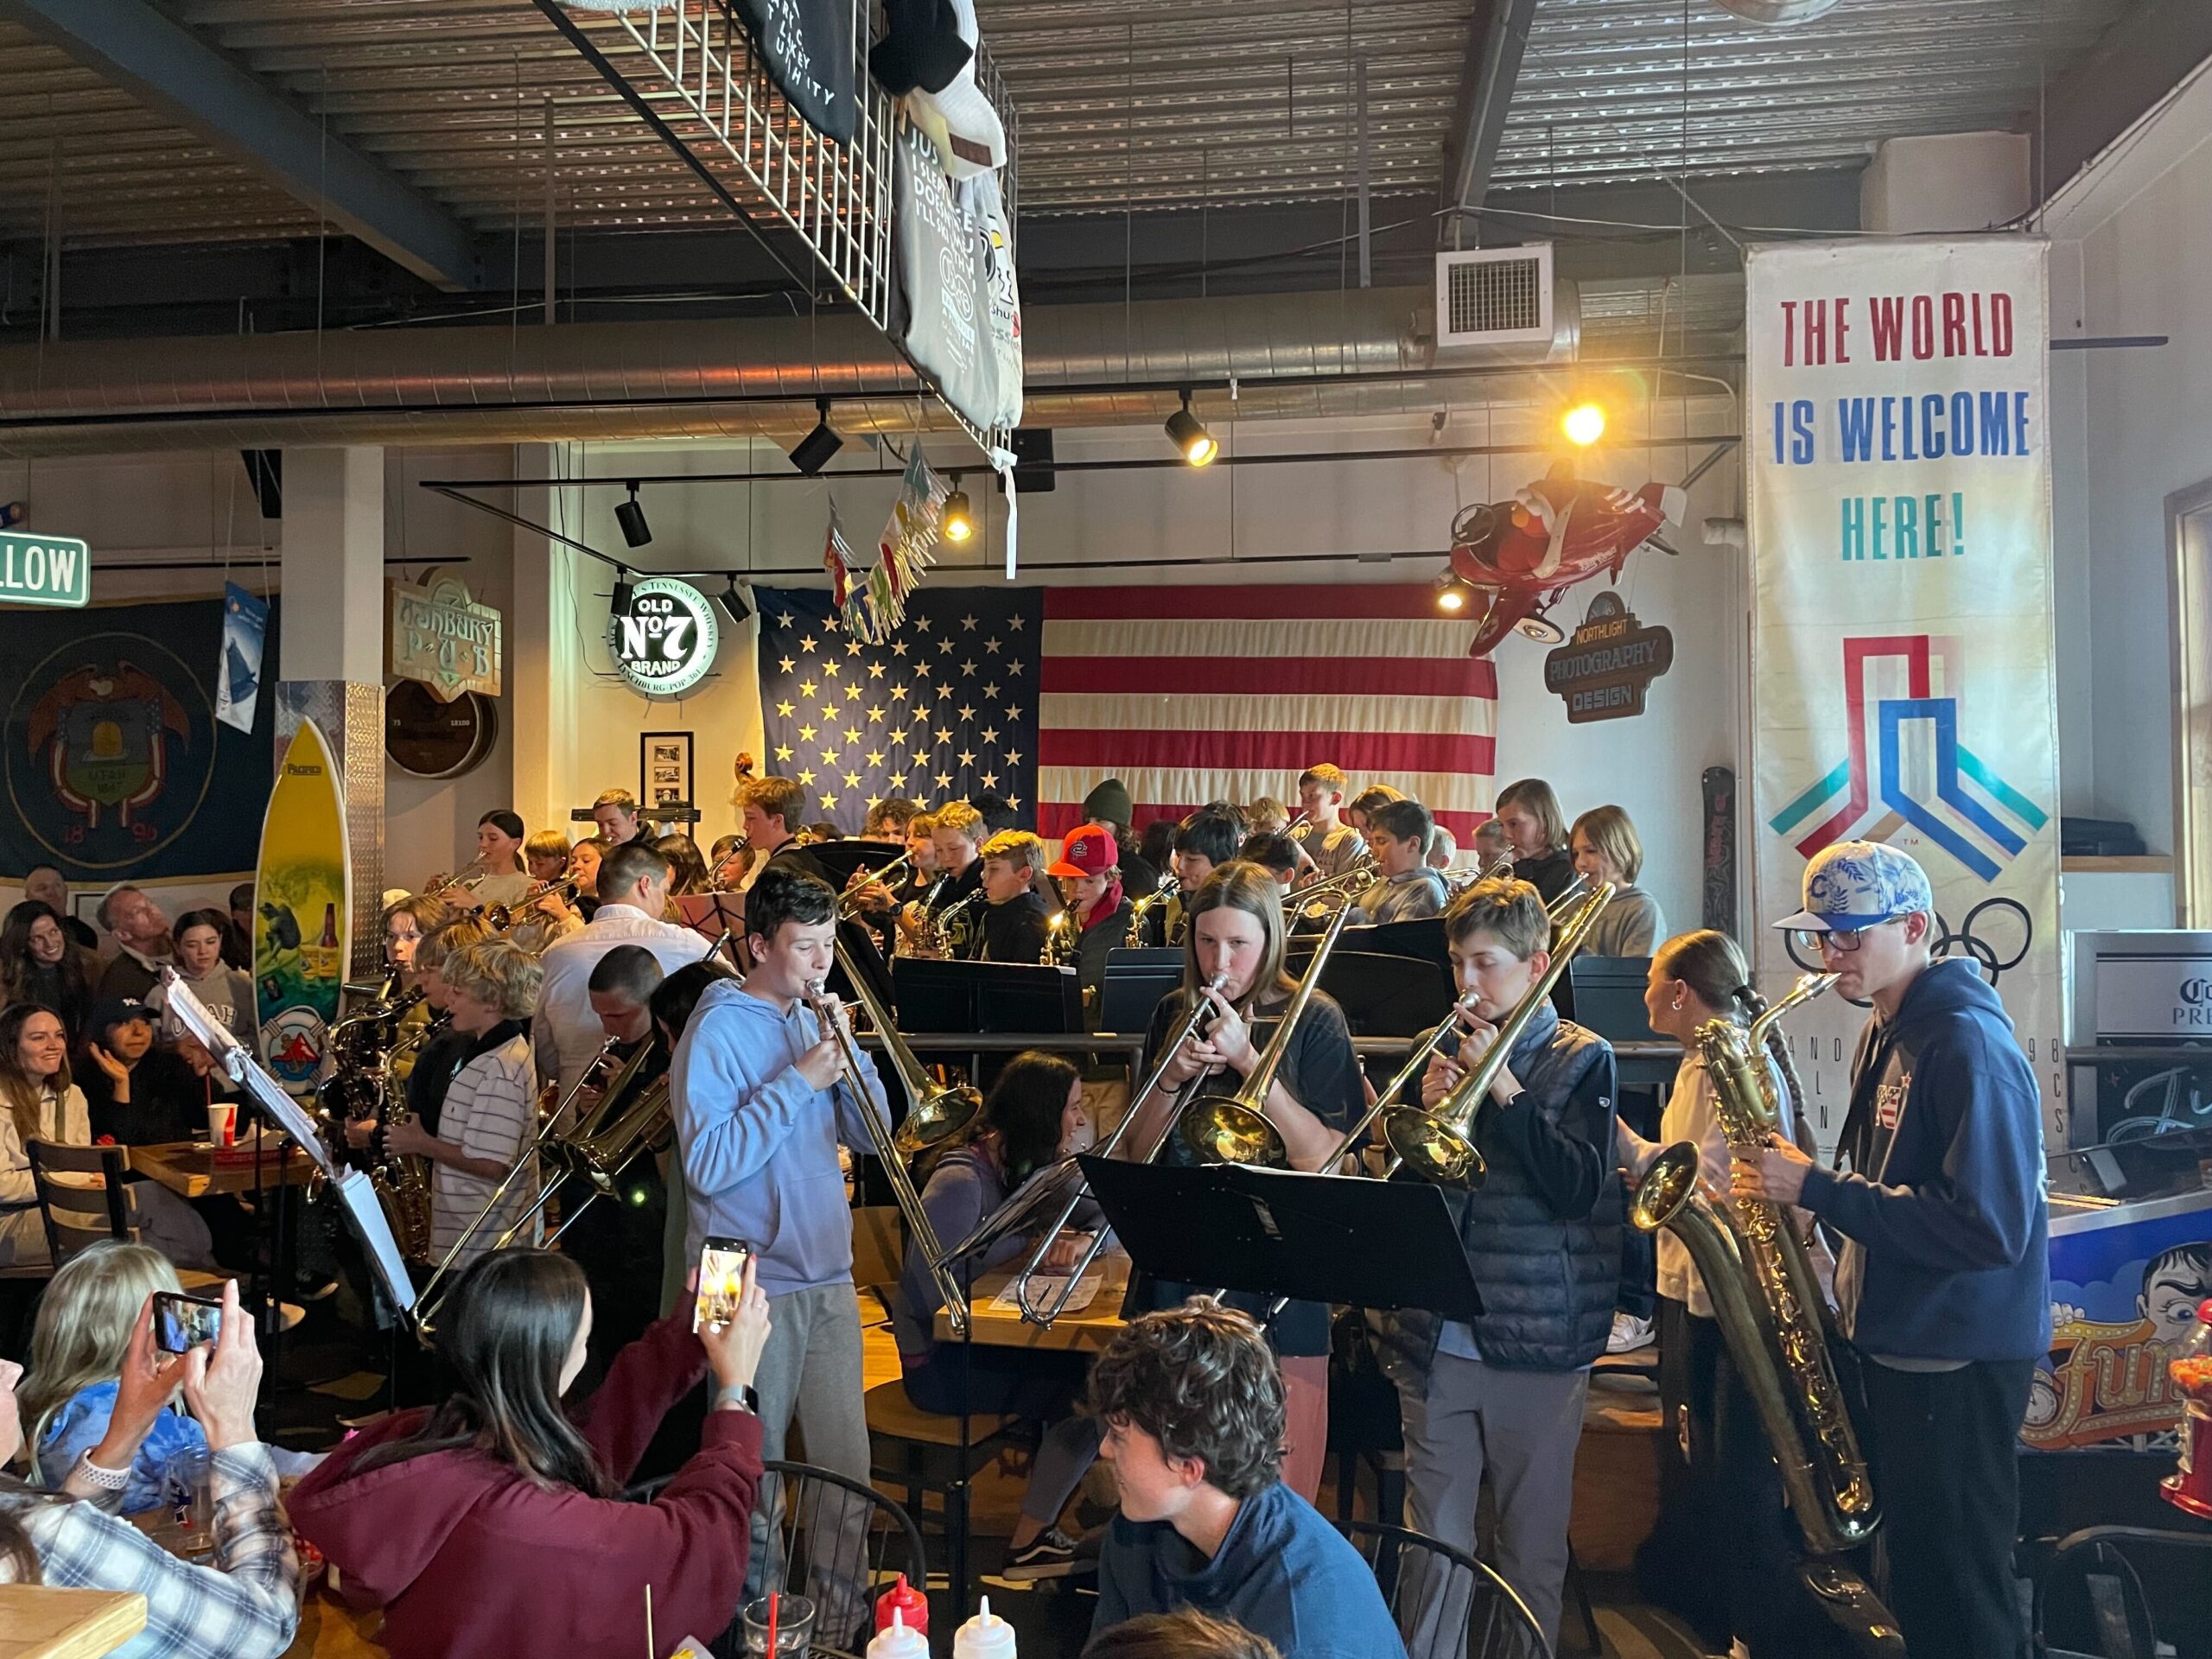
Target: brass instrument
1168, 883
935, 1111
1502, 865
367, 1047
935, 1114
468, 876
1439, 1143
1311, 901
402, 1181
1063, 939
499, 918
551, 1134
1200, 1007
1569, 896
1235, 1128
846, 907
937, 941
1764, 1294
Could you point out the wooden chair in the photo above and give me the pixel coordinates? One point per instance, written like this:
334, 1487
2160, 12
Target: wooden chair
86, 1203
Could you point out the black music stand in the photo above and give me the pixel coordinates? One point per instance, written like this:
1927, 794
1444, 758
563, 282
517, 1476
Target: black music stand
1384, 994
1277, 1232
841, 859
985, 996
1136, 979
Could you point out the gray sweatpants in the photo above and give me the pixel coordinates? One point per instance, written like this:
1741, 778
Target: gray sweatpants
1523, 1427
811, 1369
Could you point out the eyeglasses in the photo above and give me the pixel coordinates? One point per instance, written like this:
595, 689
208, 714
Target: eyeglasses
1843, 940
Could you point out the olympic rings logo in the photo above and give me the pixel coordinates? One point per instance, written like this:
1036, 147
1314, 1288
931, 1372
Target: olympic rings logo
1988, 954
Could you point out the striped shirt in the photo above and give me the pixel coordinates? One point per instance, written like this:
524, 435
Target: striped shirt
490, 1112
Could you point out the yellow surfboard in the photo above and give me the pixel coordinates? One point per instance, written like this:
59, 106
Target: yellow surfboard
302, 907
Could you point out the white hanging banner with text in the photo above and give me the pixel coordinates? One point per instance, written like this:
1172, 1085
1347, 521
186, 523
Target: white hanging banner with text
1904, 680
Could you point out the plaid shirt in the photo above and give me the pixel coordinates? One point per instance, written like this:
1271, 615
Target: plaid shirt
246, 1606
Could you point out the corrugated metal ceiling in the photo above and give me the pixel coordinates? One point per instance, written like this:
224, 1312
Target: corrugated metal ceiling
1142, 103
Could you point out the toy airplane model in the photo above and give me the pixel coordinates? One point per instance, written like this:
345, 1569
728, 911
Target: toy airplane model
1520, 556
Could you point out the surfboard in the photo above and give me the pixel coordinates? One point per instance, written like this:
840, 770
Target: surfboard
302, 910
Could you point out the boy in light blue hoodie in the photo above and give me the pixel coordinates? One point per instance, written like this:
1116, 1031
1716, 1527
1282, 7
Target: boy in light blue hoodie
757, 1092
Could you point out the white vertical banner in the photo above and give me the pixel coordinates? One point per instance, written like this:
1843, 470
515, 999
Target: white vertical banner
1903, 671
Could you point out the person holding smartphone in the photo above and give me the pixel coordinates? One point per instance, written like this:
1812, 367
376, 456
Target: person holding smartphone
492, 1522
245, 1604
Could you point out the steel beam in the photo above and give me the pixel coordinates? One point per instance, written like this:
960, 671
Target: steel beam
2136, 62
166, 66
1497, 32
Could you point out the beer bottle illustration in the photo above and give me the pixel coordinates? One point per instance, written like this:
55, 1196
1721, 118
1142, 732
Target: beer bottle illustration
322, 960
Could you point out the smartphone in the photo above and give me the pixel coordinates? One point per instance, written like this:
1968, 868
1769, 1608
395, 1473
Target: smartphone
721, 1280
181, 1322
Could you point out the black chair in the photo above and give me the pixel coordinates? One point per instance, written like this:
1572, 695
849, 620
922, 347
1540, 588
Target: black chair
812, 1544
86, 1204
1412, 1568
2112, 1582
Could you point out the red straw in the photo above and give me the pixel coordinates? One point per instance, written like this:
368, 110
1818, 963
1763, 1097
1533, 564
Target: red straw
771, 1624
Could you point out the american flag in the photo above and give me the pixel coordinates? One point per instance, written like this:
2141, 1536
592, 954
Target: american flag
946, 707
1191, 695
1187, 695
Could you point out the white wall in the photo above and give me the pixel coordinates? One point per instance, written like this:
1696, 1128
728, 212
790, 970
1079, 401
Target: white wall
1651, 765
2133, 241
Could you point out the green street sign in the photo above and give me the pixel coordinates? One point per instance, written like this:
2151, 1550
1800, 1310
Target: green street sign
44, 570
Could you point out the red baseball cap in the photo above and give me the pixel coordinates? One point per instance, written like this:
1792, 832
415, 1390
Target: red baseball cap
1087, 851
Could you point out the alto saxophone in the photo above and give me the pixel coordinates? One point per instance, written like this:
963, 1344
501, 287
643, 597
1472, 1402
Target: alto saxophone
1769, 1305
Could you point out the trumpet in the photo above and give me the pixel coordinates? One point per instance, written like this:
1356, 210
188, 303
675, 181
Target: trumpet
1200, 1007
467, 877
501, 917
1168, 883
1235, 1128
863, 879
1438, 1142
935, 1114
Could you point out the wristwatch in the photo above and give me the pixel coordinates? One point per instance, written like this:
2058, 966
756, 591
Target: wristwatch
740, 1395
108, 1480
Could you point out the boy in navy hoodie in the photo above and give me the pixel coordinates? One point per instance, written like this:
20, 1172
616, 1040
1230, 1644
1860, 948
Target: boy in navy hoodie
1191, 1405
757, 1092
1943, 1287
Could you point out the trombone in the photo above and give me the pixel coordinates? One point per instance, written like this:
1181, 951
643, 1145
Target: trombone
1437, 1143
1307, 901
935, 1114
1200, 1007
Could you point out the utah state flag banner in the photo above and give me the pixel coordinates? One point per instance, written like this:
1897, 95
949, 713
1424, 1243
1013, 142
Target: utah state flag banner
1905, 687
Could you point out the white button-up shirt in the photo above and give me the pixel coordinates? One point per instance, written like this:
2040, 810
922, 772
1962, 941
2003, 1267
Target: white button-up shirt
567, 1036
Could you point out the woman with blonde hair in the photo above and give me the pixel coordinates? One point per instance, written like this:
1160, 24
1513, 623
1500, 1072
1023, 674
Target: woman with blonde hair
1606, 848
78, 1347
1236, 934
490, 1107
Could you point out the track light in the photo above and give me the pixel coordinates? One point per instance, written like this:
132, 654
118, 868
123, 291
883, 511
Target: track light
734, 602
1189, 434
632, 517
1584, 424
623, 588
811, 453
1451, 592
959, 521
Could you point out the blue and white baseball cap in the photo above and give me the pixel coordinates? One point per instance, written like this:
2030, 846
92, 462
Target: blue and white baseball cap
1858, 884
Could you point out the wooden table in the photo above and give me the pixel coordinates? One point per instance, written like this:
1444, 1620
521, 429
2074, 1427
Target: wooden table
1086, 1333
189, 1168
36, 1623
328, 1628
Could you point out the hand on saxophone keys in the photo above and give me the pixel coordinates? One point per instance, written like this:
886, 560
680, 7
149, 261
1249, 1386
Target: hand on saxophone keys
360, 1133
1776, 1175
408, 1139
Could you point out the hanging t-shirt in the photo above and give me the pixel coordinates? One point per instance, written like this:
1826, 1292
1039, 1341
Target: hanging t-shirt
806, 46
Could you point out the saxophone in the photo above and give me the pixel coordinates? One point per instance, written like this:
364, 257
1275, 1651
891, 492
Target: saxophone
1769, 1306
402, 1183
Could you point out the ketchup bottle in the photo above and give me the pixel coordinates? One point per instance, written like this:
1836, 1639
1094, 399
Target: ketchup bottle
911, 1605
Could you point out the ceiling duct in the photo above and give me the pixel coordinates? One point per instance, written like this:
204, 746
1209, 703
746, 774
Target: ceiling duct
1776, 13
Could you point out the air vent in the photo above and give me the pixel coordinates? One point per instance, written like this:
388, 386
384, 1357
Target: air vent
1494, 297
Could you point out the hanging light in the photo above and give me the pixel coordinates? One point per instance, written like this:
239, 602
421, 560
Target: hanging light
958, 523
1451, 592
811, 453
632, 517
1584, 424
1189, 436
623, 588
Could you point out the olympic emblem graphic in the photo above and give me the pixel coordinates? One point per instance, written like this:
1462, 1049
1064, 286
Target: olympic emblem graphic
1968, 796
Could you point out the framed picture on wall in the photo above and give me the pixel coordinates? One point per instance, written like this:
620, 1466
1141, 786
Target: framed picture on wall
664, 767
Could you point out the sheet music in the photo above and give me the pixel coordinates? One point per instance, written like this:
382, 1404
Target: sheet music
1044, 1292
358, 1195
243, 1070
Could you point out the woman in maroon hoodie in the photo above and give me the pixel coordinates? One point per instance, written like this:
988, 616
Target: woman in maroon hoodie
490, 1525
